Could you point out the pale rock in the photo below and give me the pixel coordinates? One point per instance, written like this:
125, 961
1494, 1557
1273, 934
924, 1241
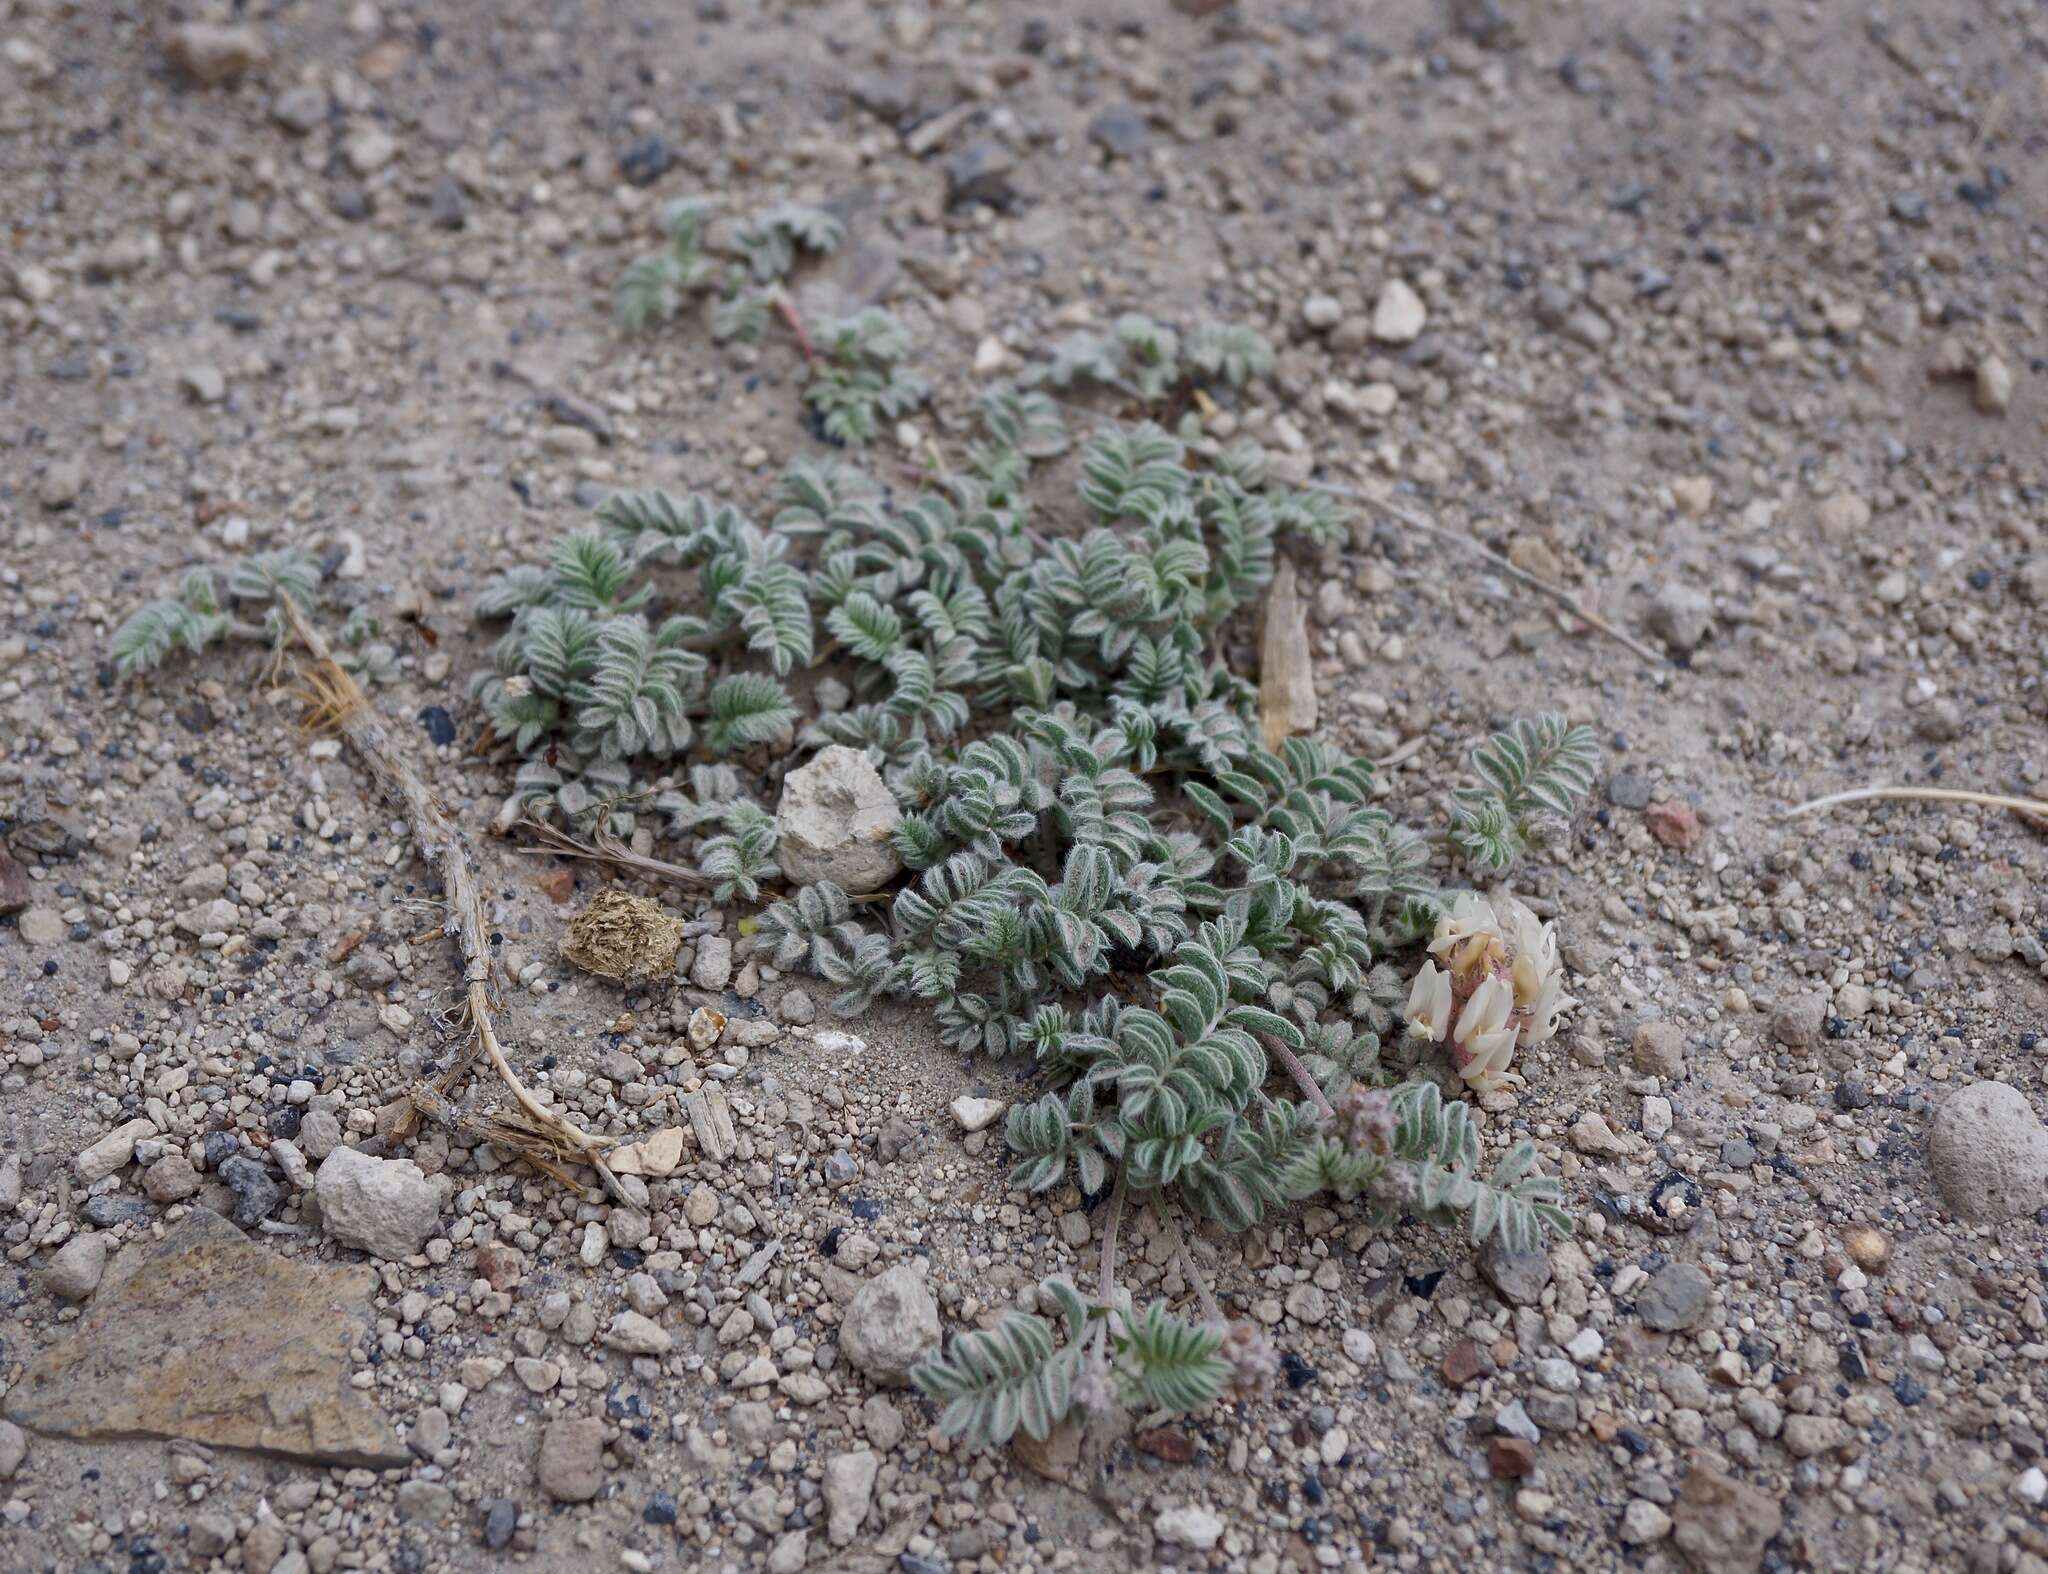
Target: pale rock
1798, 1022
849, 1491
835, 823
13, 1449
1681, 617
300, 109
714, 963
40, 927
891, 1325
882, 1422
1189, 1525
62, 482
369, 150
204, 383
1694, 495
213, 55
633, 1334
1842, 515
1658, 1049
171, 1179
570, 1465
1992, 388
34, 285
1808, 1435
1591, 1135
218, 916
111, 1152
975, 1114
1988, 1153
1643, 1522
386, 1207
74, 1269
1399, 316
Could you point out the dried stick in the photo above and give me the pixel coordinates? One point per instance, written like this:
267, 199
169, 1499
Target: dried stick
2033, 808
337, 703
1287, 680
1105, 1283
786, 308
608, 850
1557, 593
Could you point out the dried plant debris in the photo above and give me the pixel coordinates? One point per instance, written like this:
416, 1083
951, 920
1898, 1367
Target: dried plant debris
1287, 679
620, 936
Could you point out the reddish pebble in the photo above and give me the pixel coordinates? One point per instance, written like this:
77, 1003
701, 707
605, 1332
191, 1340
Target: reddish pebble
1466, 1362
1673, 822
1165, 1443
1511, 1457
558, 886
499, 1265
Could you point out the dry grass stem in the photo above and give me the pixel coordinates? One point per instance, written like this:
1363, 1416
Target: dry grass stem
1557, 593
336, 703
2033, 808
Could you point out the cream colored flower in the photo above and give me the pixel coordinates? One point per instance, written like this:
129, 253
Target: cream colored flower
1493, 984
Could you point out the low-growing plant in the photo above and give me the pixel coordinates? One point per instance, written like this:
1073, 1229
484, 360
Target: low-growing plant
1107, 872
856, 377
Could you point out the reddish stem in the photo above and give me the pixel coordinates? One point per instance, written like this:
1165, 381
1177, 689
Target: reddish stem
1291, 1062
802, 335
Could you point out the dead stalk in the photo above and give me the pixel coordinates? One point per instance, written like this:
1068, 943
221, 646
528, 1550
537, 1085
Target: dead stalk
2032, 808
609, 850
1557, 593
336, 703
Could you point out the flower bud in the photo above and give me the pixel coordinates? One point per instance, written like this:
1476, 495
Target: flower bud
1493, 983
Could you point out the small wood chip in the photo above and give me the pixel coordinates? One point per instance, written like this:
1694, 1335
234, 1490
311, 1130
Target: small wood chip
1287, 683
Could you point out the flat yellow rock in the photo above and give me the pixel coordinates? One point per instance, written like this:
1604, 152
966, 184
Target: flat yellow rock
208, 1336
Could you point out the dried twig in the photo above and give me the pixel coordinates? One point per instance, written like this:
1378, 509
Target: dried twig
787, 309
605, 849
336, 703
609, 850
1557, 593
2032, 808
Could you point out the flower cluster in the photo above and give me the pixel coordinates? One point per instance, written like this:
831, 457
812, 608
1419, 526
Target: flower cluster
1499, 986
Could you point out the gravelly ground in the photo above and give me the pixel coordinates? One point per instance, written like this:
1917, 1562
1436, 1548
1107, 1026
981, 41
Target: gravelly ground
1714, 303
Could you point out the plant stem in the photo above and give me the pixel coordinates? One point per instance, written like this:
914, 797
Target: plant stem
1291, 1062
1105, 1282
609, 850
2025, 806
786, 308
1557, 593
338, 703
1211, 1312
1106, 1278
